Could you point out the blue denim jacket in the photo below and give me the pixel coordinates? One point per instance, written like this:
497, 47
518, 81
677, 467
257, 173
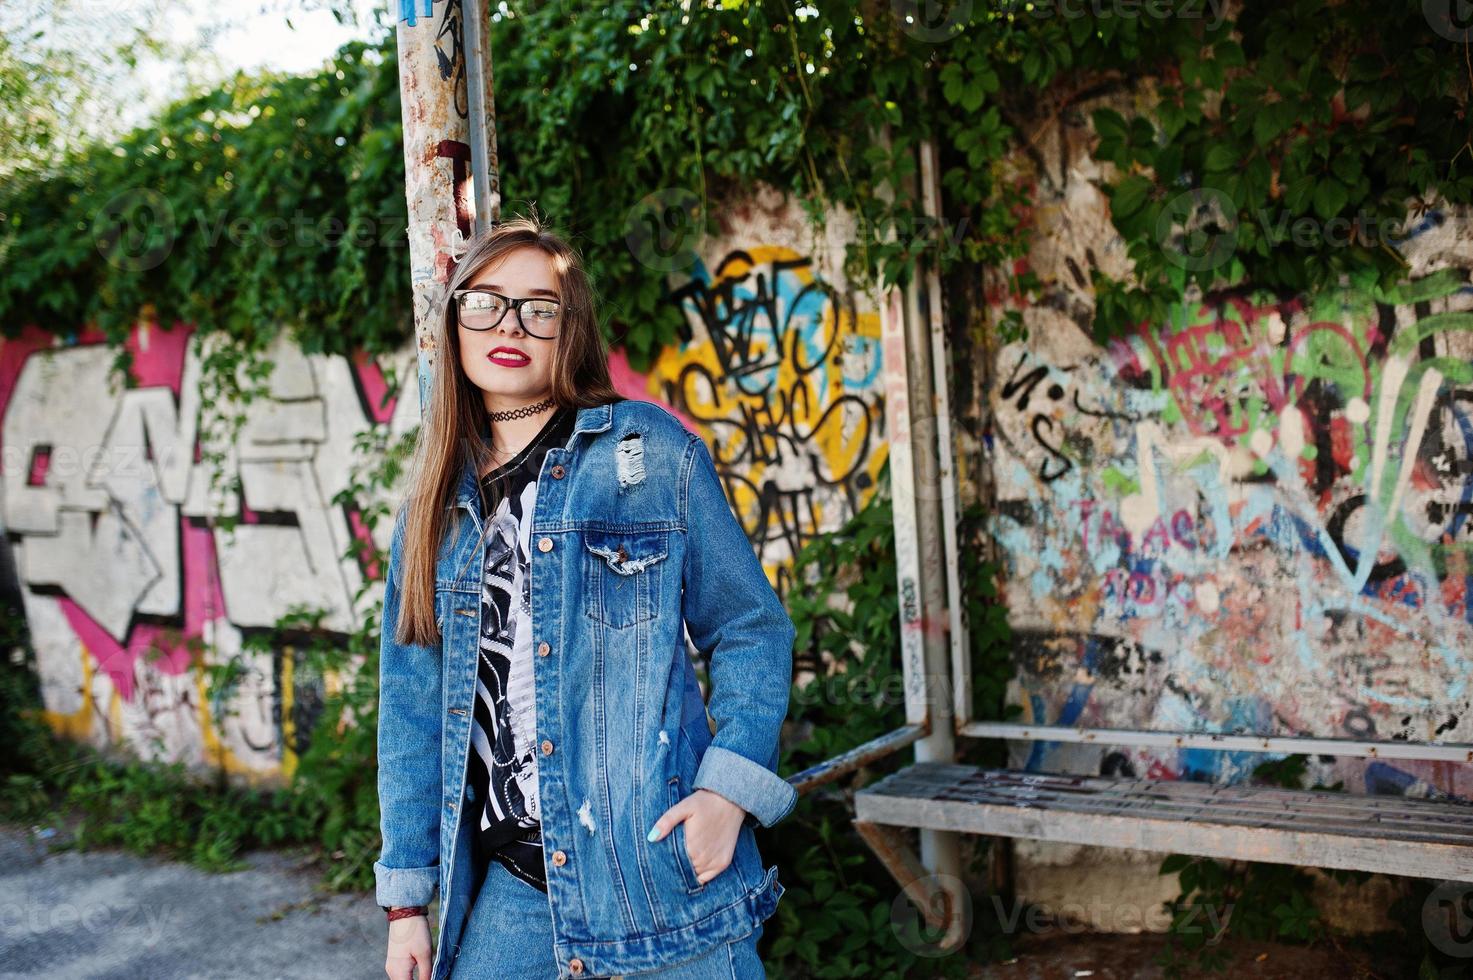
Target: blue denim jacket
632, 536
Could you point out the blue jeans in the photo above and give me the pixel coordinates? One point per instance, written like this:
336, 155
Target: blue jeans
508, 936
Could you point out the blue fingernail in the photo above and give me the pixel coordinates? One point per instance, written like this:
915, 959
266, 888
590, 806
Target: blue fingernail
651, 834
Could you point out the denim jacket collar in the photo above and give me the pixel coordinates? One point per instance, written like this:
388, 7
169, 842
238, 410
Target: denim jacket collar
596, 418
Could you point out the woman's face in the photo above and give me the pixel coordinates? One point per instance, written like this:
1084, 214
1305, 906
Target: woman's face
488, 357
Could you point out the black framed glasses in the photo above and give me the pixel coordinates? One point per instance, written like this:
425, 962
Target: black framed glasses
481, 309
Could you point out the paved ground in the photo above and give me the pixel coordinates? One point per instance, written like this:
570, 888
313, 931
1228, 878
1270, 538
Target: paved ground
109, 914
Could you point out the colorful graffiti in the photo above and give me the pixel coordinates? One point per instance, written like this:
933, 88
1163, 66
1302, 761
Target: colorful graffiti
131, 595
780, 373
128, 591
1269, 501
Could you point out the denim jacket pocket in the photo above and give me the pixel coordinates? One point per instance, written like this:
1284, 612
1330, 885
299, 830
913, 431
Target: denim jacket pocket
676, 837
622, 573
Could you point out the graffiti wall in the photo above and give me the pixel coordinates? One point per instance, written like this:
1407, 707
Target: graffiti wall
133, 596
778, 368
1253, 518
130, 592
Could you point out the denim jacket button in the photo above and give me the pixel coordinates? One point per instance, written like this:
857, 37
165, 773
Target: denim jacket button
546, 746
559, 858
543, 649
545, 544
557, 472
575, 966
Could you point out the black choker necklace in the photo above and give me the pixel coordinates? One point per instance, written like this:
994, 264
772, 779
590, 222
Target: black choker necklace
523, 412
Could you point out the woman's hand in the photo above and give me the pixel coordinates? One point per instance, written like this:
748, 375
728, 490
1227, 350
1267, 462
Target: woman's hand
712, 823
409, 946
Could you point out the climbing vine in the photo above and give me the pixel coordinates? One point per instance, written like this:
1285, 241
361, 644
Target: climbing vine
1294, 153
277, 202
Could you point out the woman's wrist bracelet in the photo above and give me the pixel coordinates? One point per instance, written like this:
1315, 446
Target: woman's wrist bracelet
406, 911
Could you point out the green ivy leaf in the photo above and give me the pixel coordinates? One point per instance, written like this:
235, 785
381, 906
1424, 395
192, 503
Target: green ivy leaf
1330, 197
1221, 158
1130, 196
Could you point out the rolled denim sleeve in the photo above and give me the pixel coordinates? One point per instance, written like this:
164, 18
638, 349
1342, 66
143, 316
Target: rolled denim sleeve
409, 729
736, 618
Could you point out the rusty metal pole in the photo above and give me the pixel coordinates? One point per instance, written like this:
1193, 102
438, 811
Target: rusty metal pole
438, 183
910, 422
484, 168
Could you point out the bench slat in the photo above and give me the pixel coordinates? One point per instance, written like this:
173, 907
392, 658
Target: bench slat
1424, 838
1370, 825
1264, 801
944, 774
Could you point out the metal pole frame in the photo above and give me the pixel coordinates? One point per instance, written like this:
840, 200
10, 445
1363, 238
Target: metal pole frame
485, 172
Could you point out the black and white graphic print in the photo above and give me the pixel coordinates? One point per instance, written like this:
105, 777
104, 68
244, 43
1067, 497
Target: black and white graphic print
506, 712
503, 757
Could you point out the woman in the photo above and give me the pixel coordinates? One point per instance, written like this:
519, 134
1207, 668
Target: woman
545, 758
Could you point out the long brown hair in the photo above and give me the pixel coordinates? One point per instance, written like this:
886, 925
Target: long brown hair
453, 426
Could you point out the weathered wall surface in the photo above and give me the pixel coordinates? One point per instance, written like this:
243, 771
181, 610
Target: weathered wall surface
106, 494
1254, 517
106, 504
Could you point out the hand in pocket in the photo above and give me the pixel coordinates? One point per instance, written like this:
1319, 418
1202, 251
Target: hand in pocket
712, 824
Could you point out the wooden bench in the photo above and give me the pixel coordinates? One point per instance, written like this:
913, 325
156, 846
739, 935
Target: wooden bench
1389, 834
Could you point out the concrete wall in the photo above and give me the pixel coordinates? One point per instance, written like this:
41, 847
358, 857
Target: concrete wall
105, 505
1255, 517
106, 495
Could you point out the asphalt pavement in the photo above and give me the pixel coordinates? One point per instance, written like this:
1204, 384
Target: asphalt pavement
105, 913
